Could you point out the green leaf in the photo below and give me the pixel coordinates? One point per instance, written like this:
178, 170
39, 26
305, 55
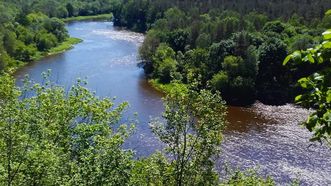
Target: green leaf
310, 58
303, 82
298, 98
296, 56
327, 34
318, 77
327, 116
328, 96
327, 44
287, 59
328, 12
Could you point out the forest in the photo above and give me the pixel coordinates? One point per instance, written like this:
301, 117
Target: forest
205, 54
237, 48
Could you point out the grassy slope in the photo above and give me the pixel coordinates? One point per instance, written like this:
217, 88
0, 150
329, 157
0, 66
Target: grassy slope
62, 47
66, 45
166, 88
81, 18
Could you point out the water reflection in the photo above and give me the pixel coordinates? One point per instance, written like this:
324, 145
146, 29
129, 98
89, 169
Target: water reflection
243, 120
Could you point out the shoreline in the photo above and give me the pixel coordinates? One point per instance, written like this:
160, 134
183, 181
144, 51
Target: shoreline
91, 17
165, 88
68, 44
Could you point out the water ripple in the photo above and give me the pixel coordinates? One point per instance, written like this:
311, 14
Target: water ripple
281, 149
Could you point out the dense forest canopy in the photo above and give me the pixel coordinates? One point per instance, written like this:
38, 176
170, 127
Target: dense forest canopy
143, 13
236, 47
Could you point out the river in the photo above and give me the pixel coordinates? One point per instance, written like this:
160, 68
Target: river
267, 138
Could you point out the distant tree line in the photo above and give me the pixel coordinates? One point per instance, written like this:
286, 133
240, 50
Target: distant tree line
237, 53
64, 8
141, 14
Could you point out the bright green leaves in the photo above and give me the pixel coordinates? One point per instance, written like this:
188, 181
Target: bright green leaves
304, 82
328, 97
192, 133
328, 12
309, 58
296, 56
327, 44
316, 87
58, 138
287, 59
327, 34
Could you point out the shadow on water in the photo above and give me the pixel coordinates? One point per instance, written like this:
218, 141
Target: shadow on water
243, 120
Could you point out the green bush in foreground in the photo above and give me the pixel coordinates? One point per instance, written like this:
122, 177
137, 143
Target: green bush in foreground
52, 137
316, 87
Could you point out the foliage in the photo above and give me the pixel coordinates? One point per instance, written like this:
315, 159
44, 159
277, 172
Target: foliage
316, 87
192, 133
140, 15
239, 178
30, 29
49, 137
165, 63
272, 79
52, 137
202, 37
92, 17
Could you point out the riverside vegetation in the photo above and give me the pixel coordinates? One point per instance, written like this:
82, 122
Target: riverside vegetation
197, 53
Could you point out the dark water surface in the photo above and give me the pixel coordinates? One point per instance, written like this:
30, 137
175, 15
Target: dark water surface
265, 137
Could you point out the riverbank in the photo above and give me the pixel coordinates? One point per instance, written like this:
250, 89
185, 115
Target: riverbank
166, 88
66, 45
93, 17
62, 47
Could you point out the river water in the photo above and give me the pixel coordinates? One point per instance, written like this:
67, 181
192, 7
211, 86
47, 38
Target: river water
267, 138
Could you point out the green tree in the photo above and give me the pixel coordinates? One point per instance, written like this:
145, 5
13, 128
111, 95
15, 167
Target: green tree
5, 60
272, 80
71, 9
274, 26
56, 27
164, 63
178, 39
24, 52
192, 133
236, 82
175, 18
203, 41
9, 41
258, 20
56, 138
220, 81
166, 70
301, 42
46, 41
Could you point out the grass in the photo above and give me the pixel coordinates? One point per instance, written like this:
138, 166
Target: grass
93, 17
66, 45
167, 88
